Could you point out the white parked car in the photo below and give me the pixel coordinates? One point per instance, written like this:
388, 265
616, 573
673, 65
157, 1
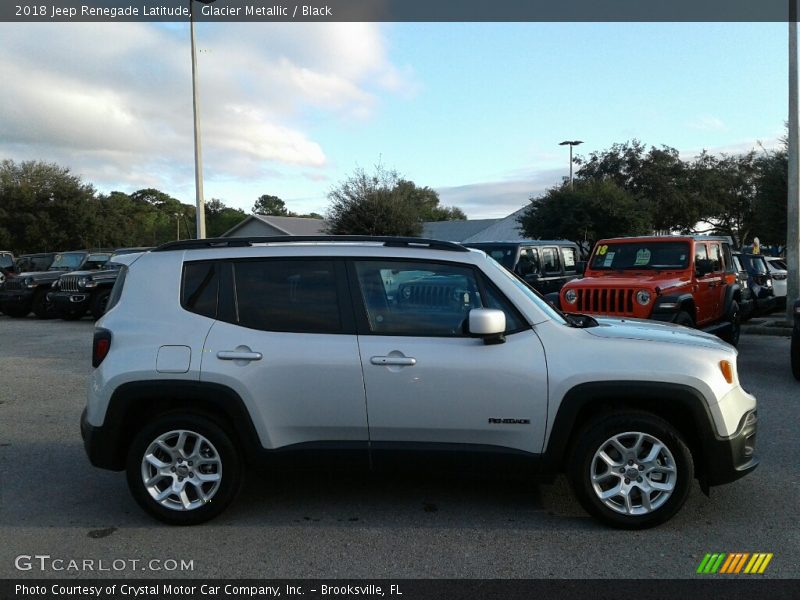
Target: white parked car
385, 352
777, 268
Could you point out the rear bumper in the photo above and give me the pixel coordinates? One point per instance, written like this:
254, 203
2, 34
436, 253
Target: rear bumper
100, 446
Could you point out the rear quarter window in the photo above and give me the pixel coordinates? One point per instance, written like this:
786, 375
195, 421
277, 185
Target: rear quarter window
200, 288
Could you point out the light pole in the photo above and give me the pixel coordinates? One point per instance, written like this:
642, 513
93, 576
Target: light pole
570, 144
200, 212
793, 201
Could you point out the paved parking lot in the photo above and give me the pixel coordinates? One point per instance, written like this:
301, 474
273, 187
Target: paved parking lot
52, 502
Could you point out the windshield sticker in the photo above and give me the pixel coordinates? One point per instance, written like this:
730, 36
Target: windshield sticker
609, 259
602, 250
642, 257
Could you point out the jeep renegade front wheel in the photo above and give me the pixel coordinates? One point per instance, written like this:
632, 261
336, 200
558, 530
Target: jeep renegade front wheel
183, 469
631, 470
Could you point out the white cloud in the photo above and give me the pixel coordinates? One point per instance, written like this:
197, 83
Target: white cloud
709, 124
113, 101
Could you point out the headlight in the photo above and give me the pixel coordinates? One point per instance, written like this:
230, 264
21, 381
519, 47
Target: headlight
571, 296
769, 283
29, 282
643, 297
56, 284
82, 281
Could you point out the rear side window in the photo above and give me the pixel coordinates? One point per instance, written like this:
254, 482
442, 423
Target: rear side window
550, 262
200, 288
569, 256
287, 295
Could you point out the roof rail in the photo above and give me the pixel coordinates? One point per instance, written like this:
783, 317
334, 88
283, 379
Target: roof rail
239, 242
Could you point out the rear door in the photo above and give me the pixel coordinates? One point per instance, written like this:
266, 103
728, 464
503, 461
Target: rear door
428, 382
285, 341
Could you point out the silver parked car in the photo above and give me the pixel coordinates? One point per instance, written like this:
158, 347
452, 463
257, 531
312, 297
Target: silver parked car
385, 352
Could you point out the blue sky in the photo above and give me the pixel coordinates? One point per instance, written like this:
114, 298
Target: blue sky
475, 111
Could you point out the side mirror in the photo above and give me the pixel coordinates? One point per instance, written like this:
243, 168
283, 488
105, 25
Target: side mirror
580, 267
704, 266
489, 324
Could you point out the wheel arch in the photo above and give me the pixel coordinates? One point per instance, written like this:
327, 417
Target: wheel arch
135, 404
681, 406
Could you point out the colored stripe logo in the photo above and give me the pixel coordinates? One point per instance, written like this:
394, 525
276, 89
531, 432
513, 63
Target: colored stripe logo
734, 563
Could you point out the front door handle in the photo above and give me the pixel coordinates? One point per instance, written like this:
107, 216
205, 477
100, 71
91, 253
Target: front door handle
398, 361
236, 355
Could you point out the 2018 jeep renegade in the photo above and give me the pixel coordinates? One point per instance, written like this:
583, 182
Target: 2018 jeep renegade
217, 354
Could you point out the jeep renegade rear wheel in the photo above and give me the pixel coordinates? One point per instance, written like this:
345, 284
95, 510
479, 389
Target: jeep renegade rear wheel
183, 469
631, 470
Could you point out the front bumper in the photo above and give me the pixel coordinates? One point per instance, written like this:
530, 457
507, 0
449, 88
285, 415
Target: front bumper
728, 459
69, 301
16, 297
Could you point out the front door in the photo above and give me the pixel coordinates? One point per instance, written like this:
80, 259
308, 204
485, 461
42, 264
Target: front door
427, 381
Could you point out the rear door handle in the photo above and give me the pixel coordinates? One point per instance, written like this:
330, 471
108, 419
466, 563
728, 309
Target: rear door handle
399, 361
235, 355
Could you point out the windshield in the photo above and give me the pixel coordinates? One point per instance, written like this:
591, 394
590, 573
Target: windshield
68, 261
640, 255
777, 264
531, 293
96, 261
754, 264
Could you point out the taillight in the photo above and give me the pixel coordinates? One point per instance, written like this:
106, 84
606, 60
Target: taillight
100, 346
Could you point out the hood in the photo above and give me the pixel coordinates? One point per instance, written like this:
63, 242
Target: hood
40, 275
654, 331
634, 279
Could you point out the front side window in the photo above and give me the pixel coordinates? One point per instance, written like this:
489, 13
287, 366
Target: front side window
287, 295
424, 299
96, 261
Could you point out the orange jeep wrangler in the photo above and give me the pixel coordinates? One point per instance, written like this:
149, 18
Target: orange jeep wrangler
689, 280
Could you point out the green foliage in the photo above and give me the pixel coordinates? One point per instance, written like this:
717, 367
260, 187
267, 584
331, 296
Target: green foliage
587, 212
271, 205
383, 203
741, 196
44, 207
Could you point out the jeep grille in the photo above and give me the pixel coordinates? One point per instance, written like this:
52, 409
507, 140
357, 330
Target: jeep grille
606, 301
14, 283
68, 283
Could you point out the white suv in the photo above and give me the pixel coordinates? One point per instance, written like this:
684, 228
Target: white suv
379, 352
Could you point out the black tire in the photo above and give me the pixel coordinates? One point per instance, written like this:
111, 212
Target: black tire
41, 307
15, 311
628, 426
796, 353
734, 318
684, 318
221, 450
99, 303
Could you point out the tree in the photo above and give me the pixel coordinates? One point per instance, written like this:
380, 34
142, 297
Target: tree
45, 207
586, 212
383, 203
221, 218
271, 205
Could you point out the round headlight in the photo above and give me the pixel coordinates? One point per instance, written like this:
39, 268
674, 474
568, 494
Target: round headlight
643, 297
571, 296
82, 281
56, 284
28, 281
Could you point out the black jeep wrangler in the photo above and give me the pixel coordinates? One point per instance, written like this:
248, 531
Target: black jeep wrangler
28, 291
77, 292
